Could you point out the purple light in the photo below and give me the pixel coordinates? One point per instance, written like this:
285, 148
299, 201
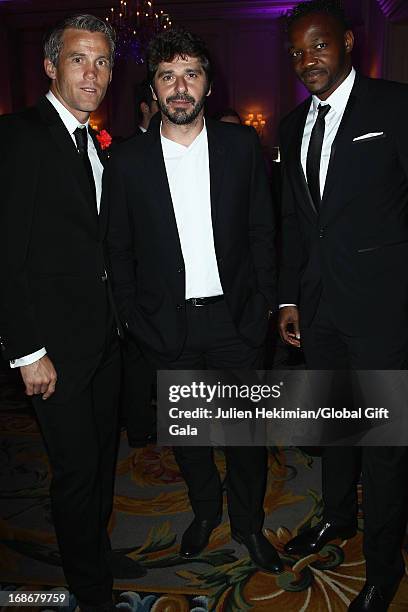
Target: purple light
262, 8
394, 9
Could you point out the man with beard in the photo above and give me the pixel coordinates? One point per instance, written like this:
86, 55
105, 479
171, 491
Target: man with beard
190, 204
345, 234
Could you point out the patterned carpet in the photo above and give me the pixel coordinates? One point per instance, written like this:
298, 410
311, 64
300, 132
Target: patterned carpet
151, 510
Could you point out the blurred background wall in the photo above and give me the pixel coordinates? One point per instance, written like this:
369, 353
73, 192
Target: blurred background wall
246, 38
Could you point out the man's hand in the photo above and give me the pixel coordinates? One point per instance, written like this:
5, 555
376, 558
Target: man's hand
39, 377
289, 325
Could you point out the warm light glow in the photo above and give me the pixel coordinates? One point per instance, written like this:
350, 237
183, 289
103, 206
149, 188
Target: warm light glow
257, 121
374, 71
95, 121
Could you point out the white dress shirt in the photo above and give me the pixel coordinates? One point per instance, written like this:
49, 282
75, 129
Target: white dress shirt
71, 123
338, 102
188, 173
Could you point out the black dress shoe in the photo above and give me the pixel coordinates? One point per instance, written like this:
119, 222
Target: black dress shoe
122, 566
313, 540
373, 599
196, 536
261, 551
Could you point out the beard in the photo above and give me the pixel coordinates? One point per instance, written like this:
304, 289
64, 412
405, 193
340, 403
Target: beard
181, 116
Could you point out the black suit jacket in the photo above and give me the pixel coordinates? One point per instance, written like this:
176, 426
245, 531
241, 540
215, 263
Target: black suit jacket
142, 228
52, 266
356, 248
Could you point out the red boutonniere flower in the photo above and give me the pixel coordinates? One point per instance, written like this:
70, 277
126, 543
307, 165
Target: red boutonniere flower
104, 139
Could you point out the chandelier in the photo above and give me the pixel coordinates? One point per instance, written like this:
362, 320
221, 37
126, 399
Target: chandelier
136, 22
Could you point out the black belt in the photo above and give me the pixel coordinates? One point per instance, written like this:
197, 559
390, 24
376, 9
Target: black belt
205, 300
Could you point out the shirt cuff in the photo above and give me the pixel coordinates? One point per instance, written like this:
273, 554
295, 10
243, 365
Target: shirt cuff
28, 359
283, 305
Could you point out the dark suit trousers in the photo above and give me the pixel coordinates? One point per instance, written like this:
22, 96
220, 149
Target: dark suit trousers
213, 343
138, 377
79, 426
384, 469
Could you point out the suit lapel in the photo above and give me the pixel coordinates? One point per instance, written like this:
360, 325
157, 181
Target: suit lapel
341, 137
217, 157
68, 153
101, 153
295, 161
161, 193
338, 164
154, 159
103, 209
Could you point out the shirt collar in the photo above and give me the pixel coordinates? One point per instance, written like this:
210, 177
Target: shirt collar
339, 98
67, 118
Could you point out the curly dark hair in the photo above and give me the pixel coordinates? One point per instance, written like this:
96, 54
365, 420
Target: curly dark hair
330, 7
177, 42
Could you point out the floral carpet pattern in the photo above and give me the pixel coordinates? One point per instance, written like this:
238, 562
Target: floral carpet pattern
151, 510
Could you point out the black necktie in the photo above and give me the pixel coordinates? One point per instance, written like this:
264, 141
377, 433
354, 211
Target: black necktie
314, 154
81, 139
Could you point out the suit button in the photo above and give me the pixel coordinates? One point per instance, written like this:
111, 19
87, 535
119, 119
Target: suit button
104, 277
179, 306
321, 232
180, 270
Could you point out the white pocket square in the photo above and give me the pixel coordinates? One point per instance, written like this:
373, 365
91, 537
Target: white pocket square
367, 136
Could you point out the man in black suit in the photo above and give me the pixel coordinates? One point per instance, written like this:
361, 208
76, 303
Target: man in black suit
190, 204
57, 322
345, 236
